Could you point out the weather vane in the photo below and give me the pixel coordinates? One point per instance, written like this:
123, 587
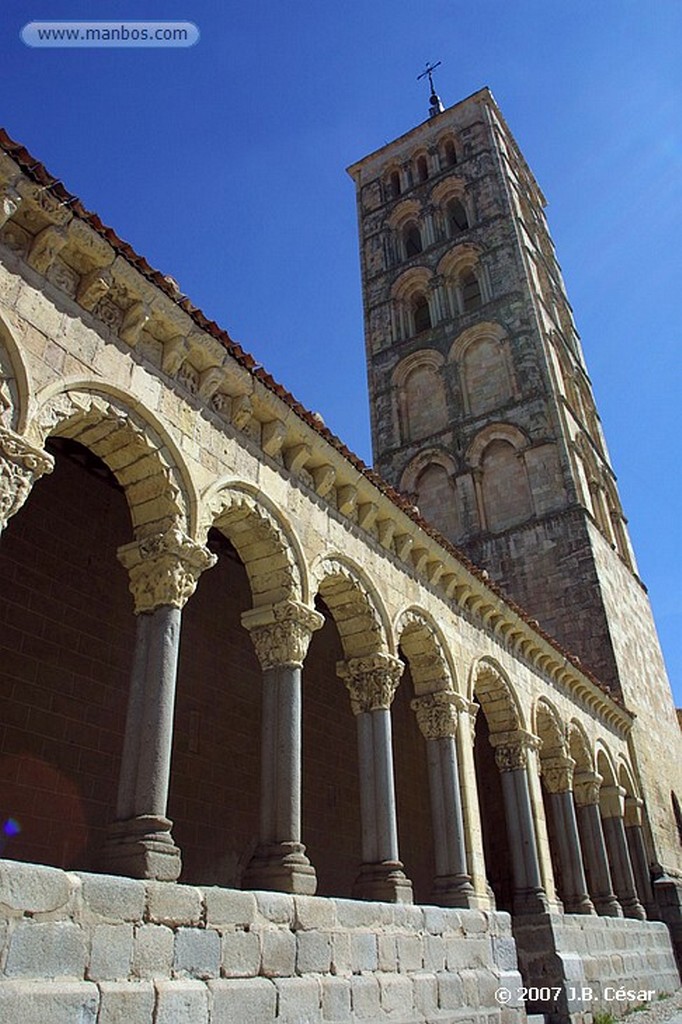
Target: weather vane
435, 105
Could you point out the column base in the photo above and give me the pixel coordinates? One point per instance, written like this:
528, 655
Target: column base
453, 891
607, 906
579, 904
530, 901
281, 867
385, 882
142, 847
633, 908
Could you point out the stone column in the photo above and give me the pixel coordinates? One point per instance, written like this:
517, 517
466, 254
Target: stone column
586, 794
164, 570
437, 718
634, 834
557, 773
511, 756
473, 832
21, 464
281, 634
612, 806
372, 682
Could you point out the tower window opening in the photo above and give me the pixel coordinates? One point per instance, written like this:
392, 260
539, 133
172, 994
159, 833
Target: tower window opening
471, 292
413, 240
450, 153
421, 314
422, 169
394, 184
457, 217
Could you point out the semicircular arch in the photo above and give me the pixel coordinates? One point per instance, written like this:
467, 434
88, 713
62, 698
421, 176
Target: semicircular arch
131, 441
265, 542
354, 604
14, 382
426, 651
496, 695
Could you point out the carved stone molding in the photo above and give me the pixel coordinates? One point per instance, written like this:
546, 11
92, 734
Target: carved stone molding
437, 714
512, 749
371, 681
586, 787
281, 632
557, 773
164, 569
21, 464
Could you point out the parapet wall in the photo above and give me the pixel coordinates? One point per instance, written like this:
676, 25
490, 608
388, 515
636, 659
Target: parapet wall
99, 949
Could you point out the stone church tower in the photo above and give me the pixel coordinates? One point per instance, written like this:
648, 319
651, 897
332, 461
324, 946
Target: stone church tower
482, 408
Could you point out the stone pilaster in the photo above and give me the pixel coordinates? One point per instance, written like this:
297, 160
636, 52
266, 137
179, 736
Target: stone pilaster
371, 683
437, 716
512, 751
281, 635
21, 464
164, 570
612, 805
557, 773
600, 885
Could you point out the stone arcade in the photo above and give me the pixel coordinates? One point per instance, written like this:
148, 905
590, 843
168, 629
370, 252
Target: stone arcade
313, 766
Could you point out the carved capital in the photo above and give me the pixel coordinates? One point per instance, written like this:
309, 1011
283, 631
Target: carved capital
437, 714
557, 773
164, 569
512, 749
612, 802
281, 632
20, 466
634, 810
586, 788
371, 681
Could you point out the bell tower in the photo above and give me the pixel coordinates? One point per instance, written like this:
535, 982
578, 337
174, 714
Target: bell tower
481, 406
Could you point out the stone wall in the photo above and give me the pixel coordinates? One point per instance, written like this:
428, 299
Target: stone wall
97, 948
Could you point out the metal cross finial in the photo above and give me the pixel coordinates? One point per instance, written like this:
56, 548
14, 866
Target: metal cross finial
435, 105
430, 68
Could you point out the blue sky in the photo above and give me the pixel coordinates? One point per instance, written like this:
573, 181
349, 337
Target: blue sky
224, 165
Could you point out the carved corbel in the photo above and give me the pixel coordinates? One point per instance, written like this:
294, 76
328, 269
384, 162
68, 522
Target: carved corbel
134, 320
403, 545
241, 411
174, 354
273, 435
10, 201
324, 478
346, 499
46, 246
367, 513
296, 457
386, 529
209, 382
93, 285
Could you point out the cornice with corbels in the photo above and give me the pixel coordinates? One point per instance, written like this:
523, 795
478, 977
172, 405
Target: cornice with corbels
86, 267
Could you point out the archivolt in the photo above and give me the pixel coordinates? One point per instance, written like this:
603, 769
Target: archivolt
268, 549
420, 640
144, 461
497, 698
549, 727
355, 607
14, 384
579, 747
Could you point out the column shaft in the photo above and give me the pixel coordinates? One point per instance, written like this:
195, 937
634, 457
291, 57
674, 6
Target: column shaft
452, 885
596, 861
619, 858
529, 896
574, 895
640, 866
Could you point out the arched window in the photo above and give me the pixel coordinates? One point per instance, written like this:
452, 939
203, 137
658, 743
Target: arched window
412, 239
471, 291
457, 219
437, 500
449, 153
422, 168
505, 491
484, 375
421, 314
394, 184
